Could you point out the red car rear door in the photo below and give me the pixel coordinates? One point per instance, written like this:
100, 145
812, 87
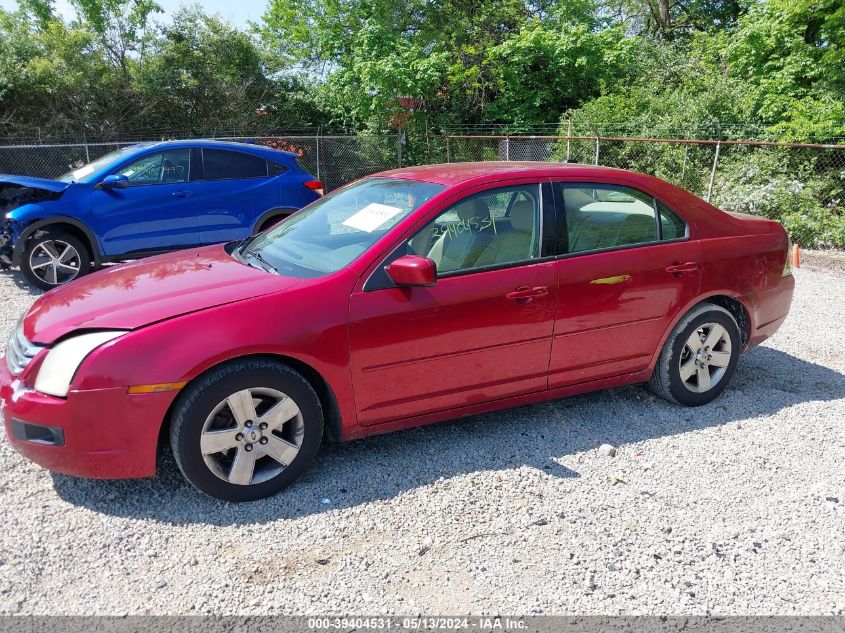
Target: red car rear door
483, 331
622, 278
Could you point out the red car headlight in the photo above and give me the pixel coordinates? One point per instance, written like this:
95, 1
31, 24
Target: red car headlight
62, 361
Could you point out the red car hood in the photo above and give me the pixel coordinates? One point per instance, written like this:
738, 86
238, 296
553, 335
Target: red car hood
143, 292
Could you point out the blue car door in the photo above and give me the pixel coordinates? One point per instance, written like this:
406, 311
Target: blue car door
155, 211
234, 189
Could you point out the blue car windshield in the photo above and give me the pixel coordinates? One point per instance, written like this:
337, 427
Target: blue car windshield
332, 232
87, 172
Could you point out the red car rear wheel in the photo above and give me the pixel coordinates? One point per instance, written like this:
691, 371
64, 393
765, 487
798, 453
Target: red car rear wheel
699, 358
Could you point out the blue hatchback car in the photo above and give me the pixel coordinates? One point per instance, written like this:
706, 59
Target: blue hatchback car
145, 199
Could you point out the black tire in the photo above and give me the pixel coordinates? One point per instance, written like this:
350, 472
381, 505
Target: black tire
667, 382
44, 241
200, 400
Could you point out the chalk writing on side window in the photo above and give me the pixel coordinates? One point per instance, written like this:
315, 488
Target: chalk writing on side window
475, 223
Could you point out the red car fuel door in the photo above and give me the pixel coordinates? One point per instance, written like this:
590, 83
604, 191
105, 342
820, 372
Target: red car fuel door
481, 332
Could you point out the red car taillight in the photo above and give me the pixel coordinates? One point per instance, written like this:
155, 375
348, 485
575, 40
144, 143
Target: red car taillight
315, 185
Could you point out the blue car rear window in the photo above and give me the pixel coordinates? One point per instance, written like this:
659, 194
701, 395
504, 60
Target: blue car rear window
220, 164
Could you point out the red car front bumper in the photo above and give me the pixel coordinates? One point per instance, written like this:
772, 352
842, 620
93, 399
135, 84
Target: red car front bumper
102, 433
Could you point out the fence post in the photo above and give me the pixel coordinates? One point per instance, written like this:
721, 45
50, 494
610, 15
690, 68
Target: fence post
448, 153
85, 143
713, 171
507, 148
597, 150
318, 155
399, 148
568, 135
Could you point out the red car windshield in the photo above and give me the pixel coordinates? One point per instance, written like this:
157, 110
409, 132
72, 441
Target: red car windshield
335, 230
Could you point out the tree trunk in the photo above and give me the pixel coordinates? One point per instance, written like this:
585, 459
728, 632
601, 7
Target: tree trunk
665, 19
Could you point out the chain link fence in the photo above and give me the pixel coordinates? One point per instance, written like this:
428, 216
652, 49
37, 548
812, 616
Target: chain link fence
800, 184
335, 160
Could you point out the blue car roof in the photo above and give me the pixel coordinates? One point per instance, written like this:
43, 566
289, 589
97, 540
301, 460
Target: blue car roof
57, 186
254, 148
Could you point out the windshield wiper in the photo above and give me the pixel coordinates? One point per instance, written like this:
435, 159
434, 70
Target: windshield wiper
243, 243
242, 256
266, 265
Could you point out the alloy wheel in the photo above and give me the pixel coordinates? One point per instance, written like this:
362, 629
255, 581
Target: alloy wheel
705, 357
252, 436
55, 262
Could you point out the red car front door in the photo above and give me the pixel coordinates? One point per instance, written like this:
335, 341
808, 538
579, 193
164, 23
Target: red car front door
484, 330
623, 278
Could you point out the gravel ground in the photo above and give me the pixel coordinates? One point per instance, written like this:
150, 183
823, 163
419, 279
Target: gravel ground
737, 507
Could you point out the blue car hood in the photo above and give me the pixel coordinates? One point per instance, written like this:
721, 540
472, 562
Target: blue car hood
56, 186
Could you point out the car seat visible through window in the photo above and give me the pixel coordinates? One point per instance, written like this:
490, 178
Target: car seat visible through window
463, 241
175, 172
516, 243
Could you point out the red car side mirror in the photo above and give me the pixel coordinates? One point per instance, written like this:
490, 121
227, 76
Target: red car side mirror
412, 270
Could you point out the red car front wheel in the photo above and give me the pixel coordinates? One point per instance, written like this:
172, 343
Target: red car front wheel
246, 430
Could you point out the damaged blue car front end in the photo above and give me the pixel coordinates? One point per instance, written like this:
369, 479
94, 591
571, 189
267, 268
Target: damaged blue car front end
17, 193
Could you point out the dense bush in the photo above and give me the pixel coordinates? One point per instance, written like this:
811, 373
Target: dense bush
799, 189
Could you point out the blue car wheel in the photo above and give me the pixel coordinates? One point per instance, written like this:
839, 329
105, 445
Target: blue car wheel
52, 258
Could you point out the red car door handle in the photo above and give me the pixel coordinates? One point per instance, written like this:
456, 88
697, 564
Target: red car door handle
524, 294
181, 194
688, 267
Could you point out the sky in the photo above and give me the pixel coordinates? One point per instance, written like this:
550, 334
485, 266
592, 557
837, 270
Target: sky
238, 12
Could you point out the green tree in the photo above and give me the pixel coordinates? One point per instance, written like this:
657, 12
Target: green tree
462, 61
54, 79
669, 19
202, 74
121, 26
112, 71
542, 71
792, 52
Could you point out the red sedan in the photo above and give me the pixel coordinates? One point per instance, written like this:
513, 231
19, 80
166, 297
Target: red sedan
410, 297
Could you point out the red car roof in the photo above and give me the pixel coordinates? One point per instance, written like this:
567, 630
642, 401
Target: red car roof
708, 219
454, 173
